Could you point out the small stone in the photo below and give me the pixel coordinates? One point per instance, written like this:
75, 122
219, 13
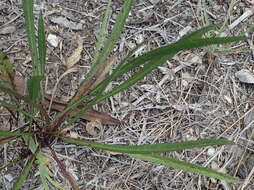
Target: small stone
211, 151
245, 76
53, 40
9, 177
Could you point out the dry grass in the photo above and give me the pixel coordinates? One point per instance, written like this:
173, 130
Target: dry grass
193, 96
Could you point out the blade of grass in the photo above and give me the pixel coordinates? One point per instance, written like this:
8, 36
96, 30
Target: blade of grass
116, 32
13, 134
198, 33
33, 85
24, 174
123, 68
109, 45
102, 32
181, 165
176, 47
32, 145
30, 30
43, 180
149, 148
170, 49
41, 45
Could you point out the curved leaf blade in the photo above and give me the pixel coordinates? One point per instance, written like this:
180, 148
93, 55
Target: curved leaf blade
149, 148
24, 174
181, 165
30, 30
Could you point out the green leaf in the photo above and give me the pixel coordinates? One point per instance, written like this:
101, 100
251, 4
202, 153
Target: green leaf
181, 165
44, 175
198, 33
43, 179
30, 30
9, 133
6, 67
31, 144
173, 49
41, 45
34, 88
149, 148
102, 32
114, 36
24, 174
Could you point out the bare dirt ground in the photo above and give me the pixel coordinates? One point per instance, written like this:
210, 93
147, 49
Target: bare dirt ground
195, 95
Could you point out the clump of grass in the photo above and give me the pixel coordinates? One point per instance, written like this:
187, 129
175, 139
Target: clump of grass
42, 130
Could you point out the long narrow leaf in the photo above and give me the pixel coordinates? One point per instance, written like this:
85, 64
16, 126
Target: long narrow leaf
34, 89
177, 164
116, 31
30, 30
24, 174
173, 49
198, 33
41, 45
149, 148
9, 133
102, 32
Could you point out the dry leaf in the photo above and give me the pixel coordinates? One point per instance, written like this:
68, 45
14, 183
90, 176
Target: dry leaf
90, 115
94, 128
59, 105
96, 79
76, 55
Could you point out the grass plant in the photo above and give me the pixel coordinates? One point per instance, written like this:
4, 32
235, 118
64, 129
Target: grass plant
42, 130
